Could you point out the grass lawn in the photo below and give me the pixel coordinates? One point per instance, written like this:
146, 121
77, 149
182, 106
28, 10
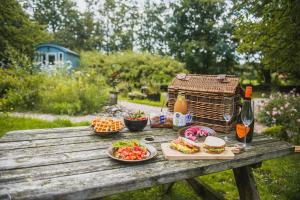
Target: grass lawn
277, 179
8, 123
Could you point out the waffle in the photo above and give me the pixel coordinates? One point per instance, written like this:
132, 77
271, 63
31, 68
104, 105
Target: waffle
107, 125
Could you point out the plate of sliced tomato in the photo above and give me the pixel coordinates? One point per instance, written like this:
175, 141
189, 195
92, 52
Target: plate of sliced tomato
131, 151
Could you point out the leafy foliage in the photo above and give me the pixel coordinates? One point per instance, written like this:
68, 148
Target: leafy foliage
153, 28
18, 34
134, 69
196, 38
283, 111
60, 93
73, 94
268, 30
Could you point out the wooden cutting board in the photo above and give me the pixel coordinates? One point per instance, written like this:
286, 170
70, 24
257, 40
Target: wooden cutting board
171, 154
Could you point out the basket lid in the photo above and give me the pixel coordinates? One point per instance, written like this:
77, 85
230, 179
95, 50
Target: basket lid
206, 83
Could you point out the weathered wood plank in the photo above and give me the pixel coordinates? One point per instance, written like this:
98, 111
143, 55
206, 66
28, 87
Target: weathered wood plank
7, 146
52, 134
60, 163
245, 182
48, 130
73, 140
85, 151
107, 182
167, 188
51, 159
67, 148
204, 190
83, 146
64, 169
95, 163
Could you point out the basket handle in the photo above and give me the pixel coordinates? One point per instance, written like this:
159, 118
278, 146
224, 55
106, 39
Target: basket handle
221, 78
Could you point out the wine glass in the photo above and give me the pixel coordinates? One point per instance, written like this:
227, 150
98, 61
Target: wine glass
247, 116
229, 110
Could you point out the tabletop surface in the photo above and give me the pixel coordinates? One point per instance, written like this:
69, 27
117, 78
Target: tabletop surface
71, 163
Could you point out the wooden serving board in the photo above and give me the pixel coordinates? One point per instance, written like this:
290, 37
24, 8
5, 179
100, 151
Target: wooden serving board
171, 154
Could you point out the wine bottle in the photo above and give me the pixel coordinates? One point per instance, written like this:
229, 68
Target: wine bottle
241, 129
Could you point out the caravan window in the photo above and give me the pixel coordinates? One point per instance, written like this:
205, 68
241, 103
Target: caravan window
61, 57
51, 59
44, 58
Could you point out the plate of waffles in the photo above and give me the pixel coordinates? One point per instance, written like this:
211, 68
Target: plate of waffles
106, 126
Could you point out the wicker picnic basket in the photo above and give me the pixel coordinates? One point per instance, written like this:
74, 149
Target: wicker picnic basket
204, 95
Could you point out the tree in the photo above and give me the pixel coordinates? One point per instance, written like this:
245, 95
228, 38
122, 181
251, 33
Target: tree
199, 37
120, 20
18, 34
270, 31
152, 31
56, 15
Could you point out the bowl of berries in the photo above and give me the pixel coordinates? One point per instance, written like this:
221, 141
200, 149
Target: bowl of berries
136, 121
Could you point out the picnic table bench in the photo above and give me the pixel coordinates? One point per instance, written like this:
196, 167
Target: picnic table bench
71, 163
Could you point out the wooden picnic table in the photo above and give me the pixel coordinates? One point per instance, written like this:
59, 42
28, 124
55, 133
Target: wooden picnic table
71, 163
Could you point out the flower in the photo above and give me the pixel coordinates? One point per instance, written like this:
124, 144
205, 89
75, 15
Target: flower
281, 108
286, 105
274, 113
263, 94
279, 113
298, 120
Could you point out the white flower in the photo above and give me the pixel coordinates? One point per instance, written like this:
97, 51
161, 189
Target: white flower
281, 108
268, 113
263, 94
274, 113
279, 113
298, 120
286, 105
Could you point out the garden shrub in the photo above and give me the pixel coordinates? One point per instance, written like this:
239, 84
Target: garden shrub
276, 131
18, 89
75, 93
134, 70
283, 110
60, 93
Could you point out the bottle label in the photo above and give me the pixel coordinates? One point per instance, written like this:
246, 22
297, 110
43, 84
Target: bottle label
162, 119
179, 119
188, 119
241, 130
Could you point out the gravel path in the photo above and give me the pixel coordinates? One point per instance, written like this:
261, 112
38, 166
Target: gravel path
134, 107
127, 105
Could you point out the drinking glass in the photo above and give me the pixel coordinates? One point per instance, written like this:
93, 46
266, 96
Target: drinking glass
229, 110
247, 116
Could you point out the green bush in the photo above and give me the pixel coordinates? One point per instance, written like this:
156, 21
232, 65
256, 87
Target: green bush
133, 70
76, 93
276, 131
283, 110
60, 93
18, 89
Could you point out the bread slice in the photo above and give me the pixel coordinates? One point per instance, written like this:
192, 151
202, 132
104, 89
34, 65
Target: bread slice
212, 141
184, 145
214, 145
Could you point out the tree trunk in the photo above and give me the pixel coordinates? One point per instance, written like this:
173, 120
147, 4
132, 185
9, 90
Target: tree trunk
267, 76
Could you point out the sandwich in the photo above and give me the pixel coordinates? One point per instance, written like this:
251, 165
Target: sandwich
214, 145
185, 145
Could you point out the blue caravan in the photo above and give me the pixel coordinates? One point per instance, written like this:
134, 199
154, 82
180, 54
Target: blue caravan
52, 56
